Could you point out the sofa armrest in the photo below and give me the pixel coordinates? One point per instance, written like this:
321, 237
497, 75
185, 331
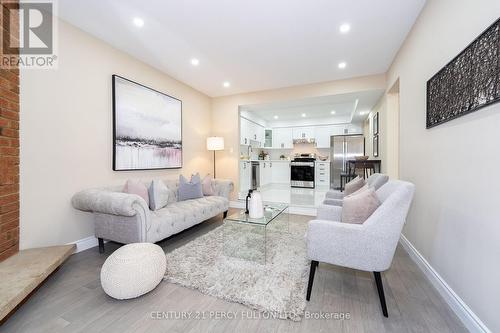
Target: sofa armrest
334, 194
329, 213
223, 187
108, 202
333, 202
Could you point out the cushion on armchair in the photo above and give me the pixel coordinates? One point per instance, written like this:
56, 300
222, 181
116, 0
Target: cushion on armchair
357, 208
354, 185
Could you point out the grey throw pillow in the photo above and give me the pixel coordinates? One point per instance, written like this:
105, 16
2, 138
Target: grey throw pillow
354, 185
158, 194
359, 207
191, 189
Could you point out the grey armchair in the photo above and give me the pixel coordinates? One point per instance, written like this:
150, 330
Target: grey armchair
334, 197
369, 246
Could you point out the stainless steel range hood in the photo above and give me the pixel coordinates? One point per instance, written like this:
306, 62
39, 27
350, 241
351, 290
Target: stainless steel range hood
302, 141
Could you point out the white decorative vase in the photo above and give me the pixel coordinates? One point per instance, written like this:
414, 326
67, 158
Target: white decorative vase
255, 206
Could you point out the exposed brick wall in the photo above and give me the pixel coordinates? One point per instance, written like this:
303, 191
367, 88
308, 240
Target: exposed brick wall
9, 156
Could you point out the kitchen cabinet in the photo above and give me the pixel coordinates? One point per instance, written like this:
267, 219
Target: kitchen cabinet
282, 138
323, 134
268, 138
266, 173
280, 171
303, 132
322, 174
245, 176
250, 131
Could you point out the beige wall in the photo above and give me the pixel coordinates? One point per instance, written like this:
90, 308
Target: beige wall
66, 134
454, 220
225, 112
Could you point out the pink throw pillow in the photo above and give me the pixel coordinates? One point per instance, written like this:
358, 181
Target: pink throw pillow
207, 185
359, 207
135, 187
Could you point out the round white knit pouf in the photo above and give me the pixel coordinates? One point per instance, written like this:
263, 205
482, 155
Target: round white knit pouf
133, 270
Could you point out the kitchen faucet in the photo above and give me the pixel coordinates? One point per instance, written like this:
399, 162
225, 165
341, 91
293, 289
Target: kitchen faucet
249, 151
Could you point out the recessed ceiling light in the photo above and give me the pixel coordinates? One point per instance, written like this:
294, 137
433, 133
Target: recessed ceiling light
344, 28
138, 22
276, 117
342, 65
303, 115
363, 113
226, 84
195, 62
332, 112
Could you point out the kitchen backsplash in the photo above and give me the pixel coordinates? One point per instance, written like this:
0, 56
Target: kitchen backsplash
275, 154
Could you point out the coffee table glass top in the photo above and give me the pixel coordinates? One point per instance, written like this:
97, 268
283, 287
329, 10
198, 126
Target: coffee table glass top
271, 211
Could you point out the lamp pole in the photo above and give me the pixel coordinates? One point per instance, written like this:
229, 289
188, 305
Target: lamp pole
214, 164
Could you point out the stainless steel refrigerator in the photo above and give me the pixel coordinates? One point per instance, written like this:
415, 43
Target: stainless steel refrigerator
343, 148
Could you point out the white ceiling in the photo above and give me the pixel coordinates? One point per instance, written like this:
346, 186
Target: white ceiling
255, 45
348, 108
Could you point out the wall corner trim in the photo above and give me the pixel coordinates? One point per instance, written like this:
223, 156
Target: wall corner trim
470, 320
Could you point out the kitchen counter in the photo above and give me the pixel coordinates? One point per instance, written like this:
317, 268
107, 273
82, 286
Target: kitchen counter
274, 161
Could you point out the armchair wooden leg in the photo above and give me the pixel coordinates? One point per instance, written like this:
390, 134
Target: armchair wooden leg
314, 264
101, 245
380, 289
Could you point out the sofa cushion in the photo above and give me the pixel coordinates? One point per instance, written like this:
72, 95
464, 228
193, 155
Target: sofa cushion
191, 189
136, 187
354, 185
208, 185
359, 207
158, 194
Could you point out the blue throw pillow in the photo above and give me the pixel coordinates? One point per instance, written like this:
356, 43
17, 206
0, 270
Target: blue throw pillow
191, 189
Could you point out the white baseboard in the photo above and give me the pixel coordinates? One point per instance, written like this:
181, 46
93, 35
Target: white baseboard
85, 243
298, 210
462, 310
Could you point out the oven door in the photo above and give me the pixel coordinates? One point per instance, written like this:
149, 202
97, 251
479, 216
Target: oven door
302, 174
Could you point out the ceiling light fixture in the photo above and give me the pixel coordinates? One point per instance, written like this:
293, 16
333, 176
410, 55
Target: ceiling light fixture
195, 62
138, 22
276, 117
344, 28
363, 113
332, 112
226, 84
303, 115
342, 65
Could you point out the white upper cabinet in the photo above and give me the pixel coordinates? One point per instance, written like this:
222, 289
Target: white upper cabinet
323, 134
251, 131
244, 131
282, 138
303, 132
261, 135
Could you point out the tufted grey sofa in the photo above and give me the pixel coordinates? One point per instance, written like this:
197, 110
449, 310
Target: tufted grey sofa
126, 218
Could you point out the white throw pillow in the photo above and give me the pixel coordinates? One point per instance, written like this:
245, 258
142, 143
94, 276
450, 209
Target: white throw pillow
158, 194
359, 207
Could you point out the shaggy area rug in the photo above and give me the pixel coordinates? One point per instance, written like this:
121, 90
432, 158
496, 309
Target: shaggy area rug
277, 287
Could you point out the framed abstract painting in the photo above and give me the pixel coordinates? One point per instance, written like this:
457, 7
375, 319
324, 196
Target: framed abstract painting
147, 127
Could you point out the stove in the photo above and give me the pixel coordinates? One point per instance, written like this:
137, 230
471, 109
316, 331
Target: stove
302, 171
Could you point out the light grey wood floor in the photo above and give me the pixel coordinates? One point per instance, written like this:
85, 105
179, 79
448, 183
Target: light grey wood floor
72, 301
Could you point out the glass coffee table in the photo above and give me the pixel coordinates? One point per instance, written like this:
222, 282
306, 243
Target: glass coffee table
246, 238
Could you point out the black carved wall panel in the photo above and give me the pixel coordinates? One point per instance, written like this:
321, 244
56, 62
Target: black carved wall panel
467, 83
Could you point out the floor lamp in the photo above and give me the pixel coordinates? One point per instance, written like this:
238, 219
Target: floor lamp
215, 143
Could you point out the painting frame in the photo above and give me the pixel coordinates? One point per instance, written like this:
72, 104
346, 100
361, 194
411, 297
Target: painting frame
114, 79
375, 145
375, 124
452, 71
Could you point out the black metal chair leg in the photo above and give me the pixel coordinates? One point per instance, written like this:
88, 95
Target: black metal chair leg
380, 289
314, 264
224, 215
101, 245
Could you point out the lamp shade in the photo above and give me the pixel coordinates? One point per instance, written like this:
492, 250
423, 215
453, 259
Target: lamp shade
215, 143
